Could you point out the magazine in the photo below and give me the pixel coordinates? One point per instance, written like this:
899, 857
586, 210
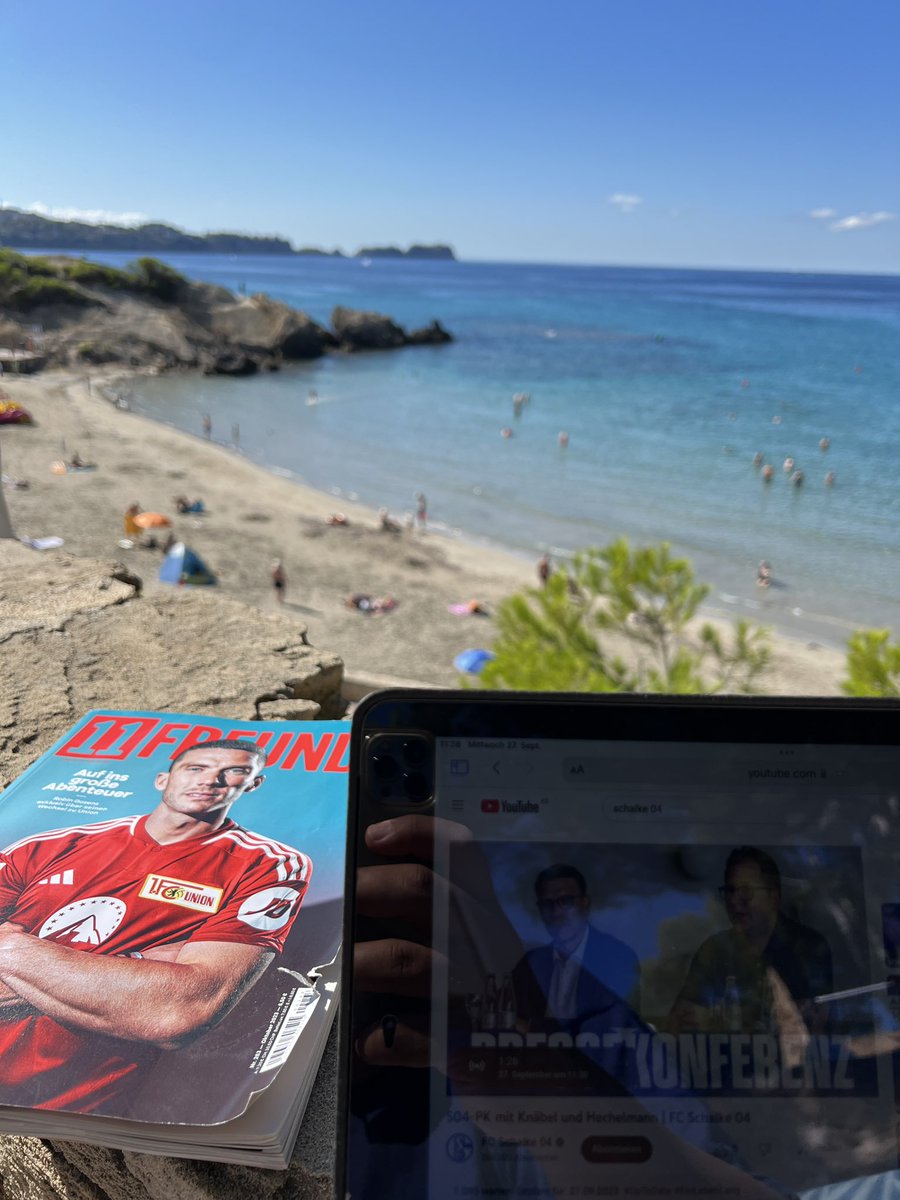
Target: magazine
171, 895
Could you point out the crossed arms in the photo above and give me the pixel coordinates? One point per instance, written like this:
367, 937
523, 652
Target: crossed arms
166, 998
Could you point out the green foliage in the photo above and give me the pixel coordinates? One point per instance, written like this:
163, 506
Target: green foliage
156, 279
11, 258
27, 280
93, 274
27, 264
643, 600
38, 290
873, 664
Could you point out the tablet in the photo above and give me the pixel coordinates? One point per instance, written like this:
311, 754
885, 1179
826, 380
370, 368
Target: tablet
633, 947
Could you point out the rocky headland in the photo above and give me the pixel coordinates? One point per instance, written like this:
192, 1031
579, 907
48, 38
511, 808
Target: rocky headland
150, 316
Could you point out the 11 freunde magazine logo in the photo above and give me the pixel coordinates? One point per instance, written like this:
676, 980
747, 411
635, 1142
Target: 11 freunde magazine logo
117, 737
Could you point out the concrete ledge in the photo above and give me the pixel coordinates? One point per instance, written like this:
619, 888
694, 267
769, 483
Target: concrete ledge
357, 686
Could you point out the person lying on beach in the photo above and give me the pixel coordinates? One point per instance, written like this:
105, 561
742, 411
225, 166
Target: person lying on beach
337, 518
471, 608
183, 505
374, 605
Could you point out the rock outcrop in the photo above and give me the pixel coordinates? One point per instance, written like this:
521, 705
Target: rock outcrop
150, 316
262, 326
429, 335
356, 330
365, 330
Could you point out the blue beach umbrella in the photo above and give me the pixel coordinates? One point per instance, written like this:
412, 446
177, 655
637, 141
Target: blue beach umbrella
472, 662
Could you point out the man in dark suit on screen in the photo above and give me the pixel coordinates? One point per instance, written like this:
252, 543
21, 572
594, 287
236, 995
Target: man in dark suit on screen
582, 972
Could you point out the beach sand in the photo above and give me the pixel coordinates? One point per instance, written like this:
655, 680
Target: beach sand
253, 518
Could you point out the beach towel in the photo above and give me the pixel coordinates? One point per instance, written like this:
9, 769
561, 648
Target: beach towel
44, 543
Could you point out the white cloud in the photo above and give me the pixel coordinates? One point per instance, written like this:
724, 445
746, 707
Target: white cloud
823, 214
861, 220
92, 216
624, 202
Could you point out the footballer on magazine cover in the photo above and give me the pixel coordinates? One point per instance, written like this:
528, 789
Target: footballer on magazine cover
129, 936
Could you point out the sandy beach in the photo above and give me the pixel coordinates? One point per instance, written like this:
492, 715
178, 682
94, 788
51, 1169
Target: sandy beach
253, 517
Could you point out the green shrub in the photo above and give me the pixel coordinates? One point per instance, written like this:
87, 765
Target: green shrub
549, 638
156, 279
93, 274
873, 664
37, 265
11, 276
39, 290
11, 259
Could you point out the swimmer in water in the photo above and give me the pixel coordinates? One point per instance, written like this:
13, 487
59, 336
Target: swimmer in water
506, 432
758, 459
767, 472
829, 479
788, 464
797, 478
824, 443
764, 575
776, 420
563, 439
312, 396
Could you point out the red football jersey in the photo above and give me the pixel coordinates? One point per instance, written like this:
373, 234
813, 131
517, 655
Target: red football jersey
110, 888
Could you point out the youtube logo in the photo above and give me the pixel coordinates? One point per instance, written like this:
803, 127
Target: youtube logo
490, 806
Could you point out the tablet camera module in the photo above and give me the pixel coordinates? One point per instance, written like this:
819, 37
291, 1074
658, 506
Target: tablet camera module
401, 768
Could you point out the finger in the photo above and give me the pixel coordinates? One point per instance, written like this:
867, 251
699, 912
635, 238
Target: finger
413, 834
394, 965
404, 1041
395, 1042
398, 890
416, 835
479, 932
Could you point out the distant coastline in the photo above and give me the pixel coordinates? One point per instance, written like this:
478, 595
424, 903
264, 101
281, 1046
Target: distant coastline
27, 230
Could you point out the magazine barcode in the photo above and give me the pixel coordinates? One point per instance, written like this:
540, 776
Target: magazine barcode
298, 1013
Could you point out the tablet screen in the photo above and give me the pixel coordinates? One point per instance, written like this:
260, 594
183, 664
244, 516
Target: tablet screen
662, 969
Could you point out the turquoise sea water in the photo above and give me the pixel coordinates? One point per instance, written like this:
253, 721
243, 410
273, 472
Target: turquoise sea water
667, 382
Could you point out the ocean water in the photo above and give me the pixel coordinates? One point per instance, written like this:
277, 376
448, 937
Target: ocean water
667, 383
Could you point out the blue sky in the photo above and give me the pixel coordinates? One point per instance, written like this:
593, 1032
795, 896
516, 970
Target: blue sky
670, 132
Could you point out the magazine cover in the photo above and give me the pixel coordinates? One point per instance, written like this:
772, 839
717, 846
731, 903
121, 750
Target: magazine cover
170, 886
